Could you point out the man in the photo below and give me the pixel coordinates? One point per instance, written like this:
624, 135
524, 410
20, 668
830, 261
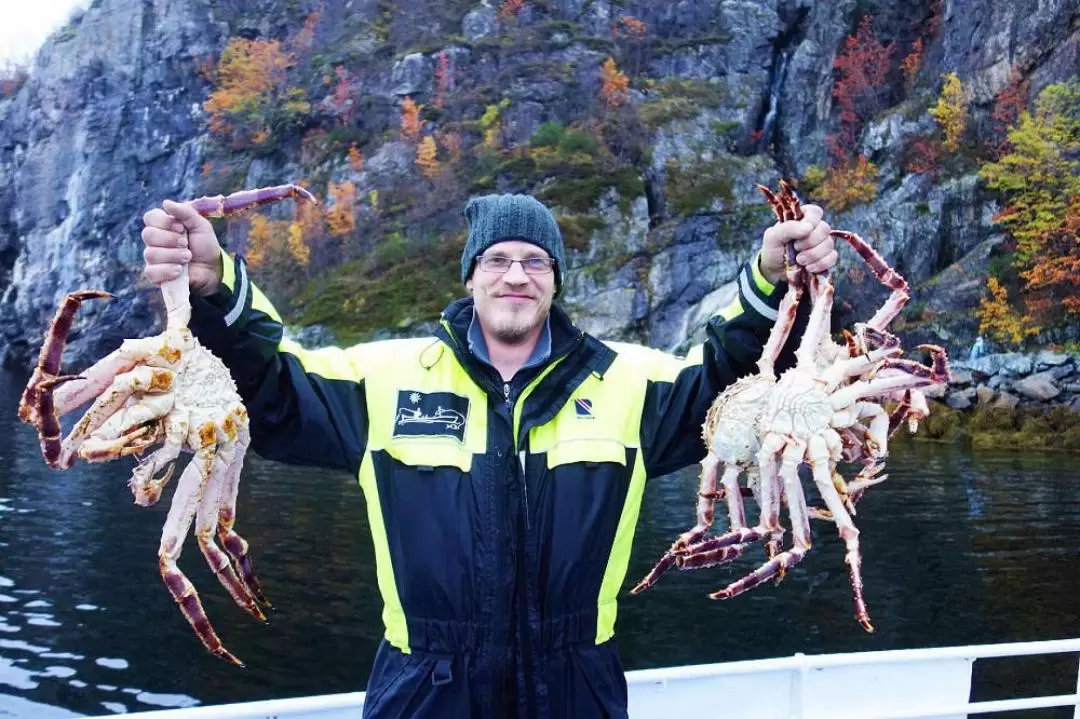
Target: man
503, 462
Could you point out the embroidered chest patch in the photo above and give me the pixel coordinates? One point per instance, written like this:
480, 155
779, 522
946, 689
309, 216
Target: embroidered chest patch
431, 414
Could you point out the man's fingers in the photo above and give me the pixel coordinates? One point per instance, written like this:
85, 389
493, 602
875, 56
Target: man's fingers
157, 237
183, 212
812, 214
161, 273
820, 236
166, 255
162, 220
825, 263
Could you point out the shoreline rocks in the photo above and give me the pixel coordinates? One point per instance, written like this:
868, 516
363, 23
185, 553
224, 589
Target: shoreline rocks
1014, 379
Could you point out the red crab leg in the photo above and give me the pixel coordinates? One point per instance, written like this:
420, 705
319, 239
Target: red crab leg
48, 367
800, 527
885, 274
237, 202
235, 545
785, 207
736, 519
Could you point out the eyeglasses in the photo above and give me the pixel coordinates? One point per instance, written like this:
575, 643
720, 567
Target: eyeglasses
531, 265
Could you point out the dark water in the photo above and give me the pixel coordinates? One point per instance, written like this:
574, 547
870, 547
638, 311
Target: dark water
958, 549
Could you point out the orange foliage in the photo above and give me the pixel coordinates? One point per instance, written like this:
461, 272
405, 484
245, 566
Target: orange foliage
862, 68
629, 26
616, 88
251, 87
410, 120
205, 66
510, 9
911, 64
341, 218
259, 240
1054, 276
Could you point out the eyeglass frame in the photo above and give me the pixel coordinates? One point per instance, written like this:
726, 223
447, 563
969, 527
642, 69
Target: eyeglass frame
549, 264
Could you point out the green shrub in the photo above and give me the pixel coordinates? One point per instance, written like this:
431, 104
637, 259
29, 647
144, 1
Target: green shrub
550, 134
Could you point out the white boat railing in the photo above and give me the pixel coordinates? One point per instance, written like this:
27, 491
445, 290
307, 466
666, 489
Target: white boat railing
932, 683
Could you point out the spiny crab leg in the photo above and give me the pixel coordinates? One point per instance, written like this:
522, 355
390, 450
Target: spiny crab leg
886, 275
786, 207
146, 393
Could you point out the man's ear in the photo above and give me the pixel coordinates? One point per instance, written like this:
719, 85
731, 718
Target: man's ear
468, 284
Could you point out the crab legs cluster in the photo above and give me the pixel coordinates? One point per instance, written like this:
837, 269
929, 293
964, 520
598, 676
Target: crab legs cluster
166, 390
824, 410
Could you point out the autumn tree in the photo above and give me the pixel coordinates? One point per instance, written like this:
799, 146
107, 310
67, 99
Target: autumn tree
426, 158
615, 90
860, 89
951, 112
341, 218
998, 320
1009, 102
1040, 180
356, 160
252, 97
410, 120
912, 63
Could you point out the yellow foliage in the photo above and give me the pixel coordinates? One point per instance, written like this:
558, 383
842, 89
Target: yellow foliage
426, 158
951, 112
491, 121
998, 320
251, 91
373, 198
341, 219
297, 247
259, 240
850, 185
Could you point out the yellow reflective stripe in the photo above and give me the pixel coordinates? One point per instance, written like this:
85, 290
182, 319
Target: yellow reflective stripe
328, 362
393, 615
619, 559
654, 364
228, 271
733, 310
763, 284
525, 393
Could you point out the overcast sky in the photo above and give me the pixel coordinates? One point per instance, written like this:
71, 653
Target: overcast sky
24, 25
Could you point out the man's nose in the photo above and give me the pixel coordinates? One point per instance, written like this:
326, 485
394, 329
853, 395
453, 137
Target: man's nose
516, 274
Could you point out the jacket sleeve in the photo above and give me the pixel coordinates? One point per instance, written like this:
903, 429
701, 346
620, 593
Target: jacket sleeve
680, 390
305, 406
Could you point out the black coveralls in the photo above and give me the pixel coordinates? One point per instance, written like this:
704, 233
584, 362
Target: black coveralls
502, 514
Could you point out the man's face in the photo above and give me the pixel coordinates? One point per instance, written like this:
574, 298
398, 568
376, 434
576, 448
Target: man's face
513, 304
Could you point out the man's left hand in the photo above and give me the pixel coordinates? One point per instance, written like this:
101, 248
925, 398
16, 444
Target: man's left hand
814, 246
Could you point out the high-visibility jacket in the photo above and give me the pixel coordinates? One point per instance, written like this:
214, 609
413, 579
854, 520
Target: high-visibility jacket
502, 513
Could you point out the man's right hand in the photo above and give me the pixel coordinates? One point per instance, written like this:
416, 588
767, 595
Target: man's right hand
175, 235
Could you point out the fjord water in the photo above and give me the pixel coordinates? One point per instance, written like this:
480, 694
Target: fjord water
959, 548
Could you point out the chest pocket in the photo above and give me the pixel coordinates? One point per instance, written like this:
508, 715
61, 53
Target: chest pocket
593, 426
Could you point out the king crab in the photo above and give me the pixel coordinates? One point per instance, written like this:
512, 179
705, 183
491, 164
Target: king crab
168, 390
818, 412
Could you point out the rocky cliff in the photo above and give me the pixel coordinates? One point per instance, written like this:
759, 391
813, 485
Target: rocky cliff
723, 93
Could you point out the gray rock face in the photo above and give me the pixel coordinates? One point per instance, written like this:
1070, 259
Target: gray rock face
480, 23
109, 118
111, 121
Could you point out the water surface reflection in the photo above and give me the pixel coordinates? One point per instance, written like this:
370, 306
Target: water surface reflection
958, 549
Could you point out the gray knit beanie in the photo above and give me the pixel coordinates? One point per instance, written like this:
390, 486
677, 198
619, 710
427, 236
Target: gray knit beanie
493, 218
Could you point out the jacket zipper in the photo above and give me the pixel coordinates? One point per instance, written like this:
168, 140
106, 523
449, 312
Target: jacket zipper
521, 454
